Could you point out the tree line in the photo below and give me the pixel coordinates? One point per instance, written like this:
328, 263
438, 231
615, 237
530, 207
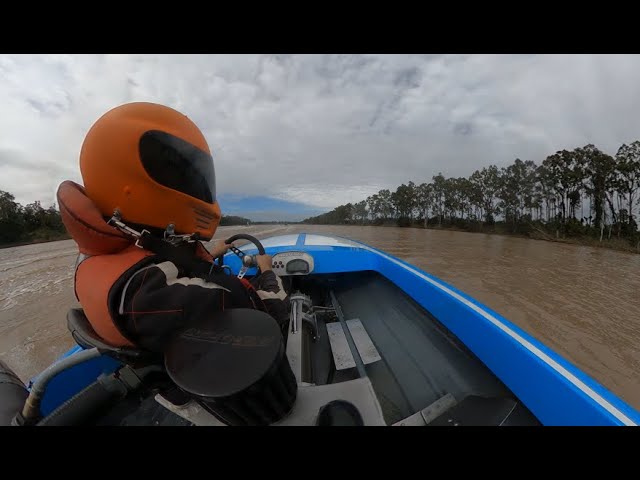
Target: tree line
30, 223
579, 192
227, 220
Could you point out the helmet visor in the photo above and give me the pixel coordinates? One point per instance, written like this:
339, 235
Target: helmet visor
178, 164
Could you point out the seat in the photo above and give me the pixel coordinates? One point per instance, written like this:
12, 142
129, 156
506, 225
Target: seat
85, 336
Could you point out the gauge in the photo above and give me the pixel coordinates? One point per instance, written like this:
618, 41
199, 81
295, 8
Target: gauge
297, 266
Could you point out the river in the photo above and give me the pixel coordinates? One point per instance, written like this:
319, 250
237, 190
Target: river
583, 302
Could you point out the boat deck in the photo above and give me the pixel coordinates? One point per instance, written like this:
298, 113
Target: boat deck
421, 362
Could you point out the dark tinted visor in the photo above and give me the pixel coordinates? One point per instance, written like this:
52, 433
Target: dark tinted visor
177, 164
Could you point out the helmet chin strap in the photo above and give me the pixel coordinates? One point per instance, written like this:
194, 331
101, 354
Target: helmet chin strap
169, 233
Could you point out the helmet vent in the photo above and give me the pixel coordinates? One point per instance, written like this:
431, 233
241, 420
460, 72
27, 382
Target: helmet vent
204, 215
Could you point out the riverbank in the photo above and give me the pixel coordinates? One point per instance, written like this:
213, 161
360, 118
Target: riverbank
534, 233
51, 238
613, 243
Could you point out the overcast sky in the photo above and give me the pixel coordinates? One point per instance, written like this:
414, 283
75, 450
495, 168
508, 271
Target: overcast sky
300, 134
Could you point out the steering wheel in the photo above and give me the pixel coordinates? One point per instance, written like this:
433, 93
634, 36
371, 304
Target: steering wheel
248, 261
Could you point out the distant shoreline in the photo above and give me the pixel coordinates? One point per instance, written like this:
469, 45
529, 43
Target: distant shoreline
33, 242
614, 243
610, 244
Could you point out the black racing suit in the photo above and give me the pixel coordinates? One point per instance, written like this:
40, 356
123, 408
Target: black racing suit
161, 295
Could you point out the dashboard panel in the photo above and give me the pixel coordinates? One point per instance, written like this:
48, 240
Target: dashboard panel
292, 263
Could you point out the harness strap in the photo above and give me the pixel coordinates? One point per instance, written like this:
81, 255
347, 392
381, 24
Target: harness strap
180, 255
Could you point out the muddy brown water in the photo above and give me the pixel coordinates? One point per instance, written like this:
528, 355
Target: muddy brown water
583, 302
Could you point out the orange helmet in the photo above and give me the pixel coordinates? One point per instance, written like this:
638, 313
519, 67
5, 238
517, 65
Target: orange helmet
153, 165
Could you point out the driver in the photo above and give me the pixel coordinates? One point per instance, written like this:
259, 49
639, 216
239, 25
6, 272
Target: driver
148, 199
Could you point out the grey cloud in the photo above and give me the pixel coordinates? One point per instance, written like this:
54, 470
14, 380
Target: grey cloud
21, 161
464, 128
324, 129
408, 78
12, 158
49, 108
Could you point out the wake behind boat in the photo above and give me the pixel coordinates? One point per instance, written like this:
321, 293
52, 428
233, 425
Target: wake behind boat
372, 340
